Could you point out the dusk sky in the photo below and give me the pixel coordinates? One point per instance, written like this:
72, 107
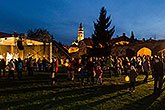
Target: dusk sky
146, 18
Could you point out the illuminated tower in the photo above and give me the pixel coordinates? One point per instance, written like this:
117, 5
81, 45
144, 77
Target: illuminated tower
80, 33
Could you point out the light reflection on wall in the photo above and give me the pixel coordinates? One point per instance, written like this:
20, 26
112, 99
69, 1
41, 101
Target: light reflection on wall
121, 43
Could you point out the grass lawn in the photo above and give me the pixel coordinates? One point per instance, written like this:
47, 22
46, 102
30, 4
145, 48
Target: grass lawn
35, 93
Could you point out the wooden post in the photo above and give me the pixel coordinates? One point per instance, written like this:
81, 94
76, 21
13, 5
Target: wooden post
24, 51
12, 49
50, 51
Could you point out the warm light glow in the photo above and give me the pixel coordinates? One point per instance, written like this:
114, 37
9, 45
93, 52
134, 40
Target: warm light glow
144, 51
66, 64
79, 69
89, 46
11, 41
127, 78
53, 75
121, 43
74, 43
73, 49
1, 57
101, 46
161, 51
8, 57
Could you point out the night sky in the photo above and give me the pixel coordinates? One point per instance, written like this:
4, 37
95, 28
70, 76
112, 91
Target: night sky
146, 18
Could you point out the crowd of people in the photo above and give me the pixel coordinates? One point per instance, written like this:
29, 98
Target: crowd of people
91, 68
17, 66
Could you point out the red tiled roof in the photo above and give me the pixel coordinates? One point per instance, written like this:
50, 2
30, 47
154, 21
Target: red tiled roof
121, 38
88, 41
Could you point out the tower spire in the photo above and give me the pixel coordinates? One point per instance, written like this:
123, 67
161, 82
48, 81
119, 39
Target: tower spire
80, 33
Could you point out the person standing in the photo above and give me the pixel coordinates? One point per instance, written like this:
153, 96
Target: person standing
67, 68
44, 64
11, 69
132, 75
30, 66
146, 69
158, 76
54, 70
82, 74
20, 66
78, 67
2, 66
90, 68
99, 73
39, 64
72, 68
110, 65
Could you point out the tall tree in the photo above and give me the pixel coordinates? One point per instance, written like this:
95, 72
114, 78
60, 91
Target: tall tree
41, 34
102, 34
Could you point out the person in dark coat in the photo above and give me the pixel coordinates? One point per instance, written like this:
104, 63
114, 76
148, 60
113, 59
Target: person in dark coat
44, 64
90, 68
2, 66
82, 74
54, 70
72, 68
30, 66
20, 66
11, 69
146, 69
132, 75
158, 76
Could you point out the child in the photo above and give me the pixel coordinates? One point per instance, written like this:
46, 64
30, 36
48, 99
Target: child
99, 73
82, 73
132, 75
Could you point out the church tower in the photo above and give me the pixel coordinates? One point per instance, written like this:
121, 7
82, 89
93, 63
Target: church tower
80, 33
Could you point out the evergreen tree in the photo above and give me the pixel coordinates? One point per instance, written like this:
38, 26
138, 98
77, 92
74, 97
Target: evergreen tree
102, 34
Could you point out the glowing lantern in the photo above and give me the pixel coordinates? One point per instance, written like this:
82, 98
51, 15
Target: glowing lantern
53, 75
66, 64
79, 69
127, 78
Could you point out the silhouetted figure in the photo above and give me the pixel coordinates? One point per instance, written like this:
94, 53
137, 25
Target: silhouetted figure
20, 66
54, 70
82, 74
110, 65
44, 64
146, 70
30, 66
132, 75
90, 68
39, 64
158, 76
72, 68
11, 69
2, 67
99, 73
